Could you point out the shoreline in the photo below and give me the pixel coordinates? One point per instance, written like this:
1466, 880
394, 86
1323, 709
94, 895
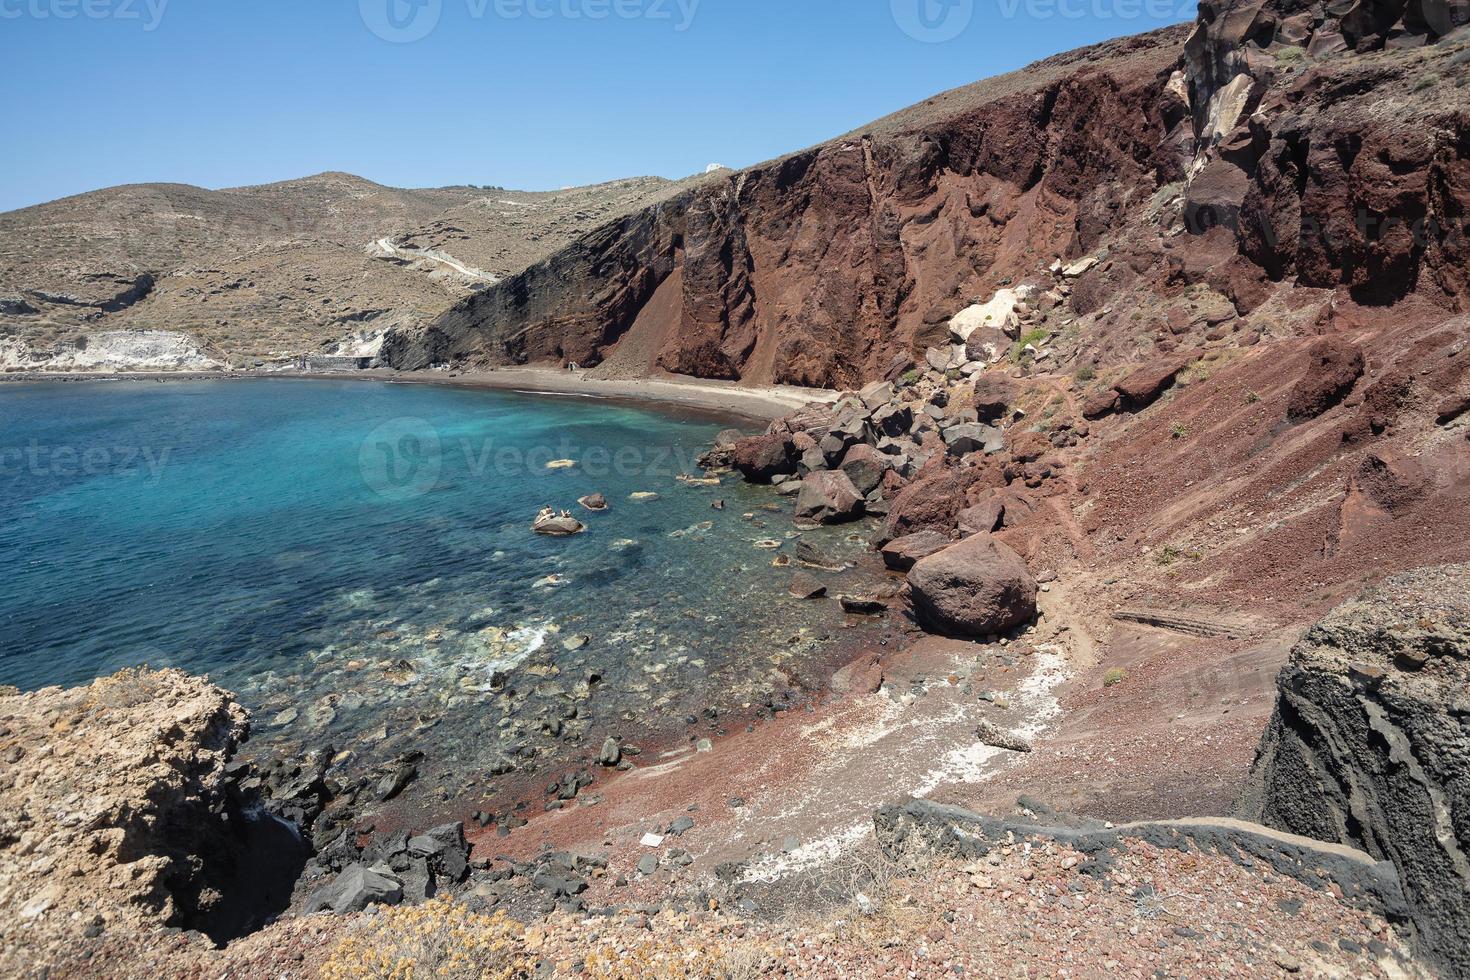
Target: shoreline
722, 398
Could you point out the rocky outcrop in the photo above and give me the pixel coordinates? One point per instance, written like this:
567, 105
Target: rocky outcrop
119, 811
1333, 367
1369, 743
979, 587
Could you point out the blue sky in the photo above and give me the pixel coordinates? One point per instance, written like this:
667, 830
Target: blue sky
530, 94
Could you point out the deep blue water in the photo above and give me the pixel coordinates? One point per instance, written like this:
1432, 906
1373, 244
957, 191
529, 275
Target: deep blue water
359, 554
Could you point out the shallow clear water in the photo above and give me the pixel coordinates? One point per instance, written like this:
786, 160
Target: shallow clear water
354, 557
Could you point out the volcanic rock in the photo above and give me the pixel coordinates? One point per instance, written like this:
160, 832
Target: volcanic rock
805, 586
901, 554
865, 467
759, 458
975, 588
973, 437
1334, 366
1144, 386
983, 518
355, 889
828, 497
994, 394
1368, 745
929, 503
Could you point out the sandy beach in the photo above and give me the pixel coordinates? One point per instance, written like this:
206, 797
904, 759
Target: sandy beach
761, 402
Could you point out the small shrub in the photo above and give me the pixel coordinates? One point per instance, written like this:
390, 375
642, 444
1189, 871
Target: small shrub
1291, 56
1428, 81
1115, 677
1086, 373
1178, 431
1251, 397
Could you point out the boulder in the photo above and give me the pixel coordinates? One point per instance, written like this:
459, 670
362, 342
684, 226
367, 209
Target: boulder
994, 395
1002, 312
355, 889
929, 503
727, 438
901, 554
828, 497
593, 502
1144, 386
758, 458
975, 588
1100, 403
877, 394
865, 467
893, 420
973, 437
1334, 366
983, 518
987, 345
558, 527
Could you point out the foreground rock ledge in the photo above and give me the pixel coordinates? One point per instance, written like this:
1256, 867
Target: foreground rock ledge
1369, 746
117, 813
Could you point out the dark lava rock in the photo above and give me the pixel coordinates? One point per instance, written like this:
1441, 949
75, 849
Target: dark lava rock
354, 890
1368, 746
974, 588
865, 467
973, 437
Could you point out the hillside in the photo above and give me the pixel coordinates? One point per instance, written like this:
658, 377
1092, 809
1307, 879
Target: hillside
255, 274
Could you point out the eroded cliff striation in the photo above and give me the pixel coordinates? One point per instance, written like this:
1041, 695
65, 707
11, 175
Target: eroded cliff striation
1273, 148
817, 268
1369, 744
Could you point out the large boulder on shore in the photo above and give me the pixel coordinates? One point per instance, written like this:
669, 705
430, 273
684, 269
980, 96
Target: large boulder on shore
1369, 743
974, 588
828, 497
760, 458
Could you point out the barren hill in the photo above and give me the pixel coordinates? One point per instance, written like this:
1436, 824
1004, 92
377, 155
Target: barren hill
256, 273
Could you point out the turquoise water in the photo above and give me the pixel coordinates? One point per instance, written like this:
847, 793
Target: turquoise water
353, 557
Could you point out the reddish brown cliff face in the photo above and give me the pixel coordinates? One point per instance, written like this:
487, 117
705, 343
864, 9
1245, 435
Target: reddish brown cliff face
1237, 161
